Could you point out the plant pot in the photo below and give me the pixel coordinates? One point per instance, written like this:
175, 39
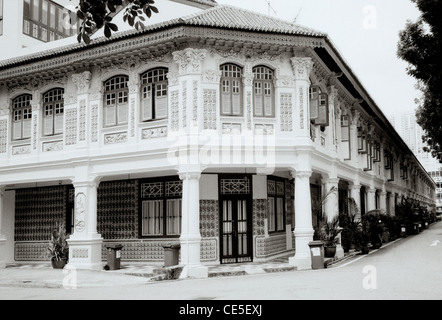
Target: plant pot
365, 249
58, 264
329, 252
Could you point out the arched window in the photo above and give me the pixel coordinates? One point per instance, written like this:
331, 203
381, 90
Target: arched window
116, 95
154, 94
263, 92
231, 90
53, 110
21, 117
318, 106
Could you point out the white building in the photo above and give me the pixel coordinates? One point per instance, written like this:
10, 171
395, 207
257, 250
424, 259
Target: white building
216, 131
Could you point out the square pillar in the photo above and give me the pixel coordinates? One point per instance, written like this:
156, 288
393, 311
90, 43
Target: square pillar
303, 221
2, 236
190, 239
85, 243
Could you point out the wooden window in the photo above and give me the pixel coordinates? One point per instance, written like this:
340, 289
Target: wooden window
276, 205
368, 166
161, 208
53, 111
319, 112
231, 90
154, 94
263, 92
21, 117
345, 137
116, 104
362, 141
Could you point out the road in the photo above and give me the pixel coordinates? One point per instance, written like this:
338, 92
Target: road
408, 269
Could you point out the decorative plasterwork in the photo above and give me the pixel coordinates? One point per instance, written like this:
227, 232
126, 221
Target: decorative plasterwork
209, 105
302, 66
154, 133
82, 81
53, 146
3, 135
115, 138
190, 60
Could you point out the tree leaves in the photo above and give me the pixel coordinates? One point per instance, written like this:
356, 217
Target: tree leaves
420, 44
97, 14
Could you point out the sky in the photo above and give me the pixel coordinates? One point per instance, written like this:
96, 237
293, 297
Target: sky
366, 33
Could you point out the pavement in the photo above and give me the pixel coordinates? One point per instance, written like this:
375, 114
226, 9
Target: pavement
42, 275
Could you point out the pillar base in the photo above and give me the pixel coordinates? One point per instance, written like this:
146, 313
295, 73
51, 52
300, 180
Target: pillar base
195, 272
85, 253
301, 263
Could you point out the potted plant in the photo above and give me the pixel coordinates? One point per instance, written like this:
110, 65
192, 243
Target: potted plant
329, 233
349, 221
363, 236
58, 248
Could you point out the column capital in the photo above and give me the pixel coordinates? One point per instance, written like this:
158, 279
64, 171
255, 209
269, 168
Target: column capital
190, 60
92, 181
301, 174
186, 175
82, 81
302, 66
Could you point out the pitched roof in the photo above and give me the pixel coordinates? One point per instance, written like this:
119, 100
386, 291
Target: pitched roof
225, 16
219, 16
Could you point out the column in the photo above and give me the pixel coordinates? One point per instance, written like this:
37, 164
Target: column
82, 81
332, 208
371, 199
355, 193
392, 203
35, 129
302, 67
383, 200
303, 220
2, 236
85, 244
190, 239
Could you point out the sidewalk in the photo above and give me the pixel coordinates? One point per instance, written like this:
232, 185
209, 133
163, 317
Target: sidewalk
42, 275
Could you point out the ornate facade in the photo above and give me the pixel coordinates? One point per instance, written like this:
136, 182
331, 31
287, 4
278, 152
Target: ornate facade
196, 132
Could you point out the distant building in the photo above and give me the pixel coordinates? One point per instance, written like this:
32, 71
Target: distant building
412, 133
217, 129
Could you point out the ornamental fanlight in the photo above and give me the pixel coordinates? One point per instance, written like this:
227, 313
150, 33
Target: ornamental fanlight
319, 110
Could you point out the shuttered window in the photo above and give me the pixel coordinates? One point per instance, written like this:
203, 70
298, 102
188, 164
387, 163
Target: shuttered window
231, 90
263, 92
319, 113
345, 137
154, 94
116, 105
53, 111
21, 117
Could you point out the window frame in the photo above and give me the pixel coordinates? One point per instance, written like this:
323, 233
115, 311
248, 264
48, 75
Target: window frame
346, 141
164, 199
319, 106
265, 84
235, 88
113, 94
19, 110
57, 109
155, 84
46, 25
1, 17
277, 203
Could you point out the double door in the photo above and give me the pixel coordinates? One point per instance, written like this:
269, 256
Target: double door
236, 230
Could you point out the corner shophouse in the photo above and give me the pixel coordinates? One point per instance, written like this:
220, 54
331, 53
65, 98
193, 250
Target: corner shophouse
216, 131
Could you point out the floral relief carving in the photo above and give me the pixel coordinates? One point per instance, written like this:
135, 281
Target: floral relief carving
190, 60
82, 81
302, 66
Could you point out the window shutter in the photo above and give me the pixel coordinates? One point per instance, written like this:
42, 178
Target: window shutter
161, 107
58, 123
323, 117
110, 115
146, 104
268, 100
225, 98
16, 130
258, 99
123, 111
314, 103
48, 125
27, 124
